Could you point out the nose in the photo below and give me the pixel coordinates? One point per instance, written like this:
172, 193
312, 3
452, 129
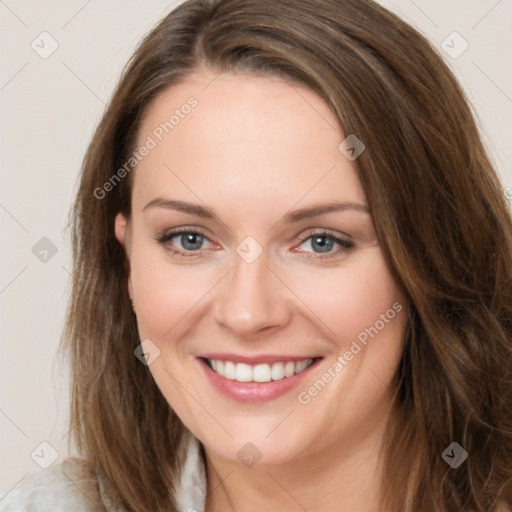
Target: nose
252, 300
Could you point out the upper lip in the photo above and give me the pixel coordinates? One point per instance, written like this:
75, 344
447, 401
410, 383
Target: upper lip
259, 359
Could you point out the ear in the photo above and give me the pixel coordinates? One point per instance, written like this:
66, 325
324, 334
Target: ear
121, 230
120, 226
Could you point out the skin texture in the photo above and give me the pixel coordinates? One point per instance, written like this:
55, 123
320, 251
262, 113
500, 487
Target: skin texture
252, 150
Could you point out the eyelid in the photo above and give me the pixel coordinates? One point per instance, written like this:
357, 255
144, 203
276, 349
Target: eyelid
171, 233
323, 231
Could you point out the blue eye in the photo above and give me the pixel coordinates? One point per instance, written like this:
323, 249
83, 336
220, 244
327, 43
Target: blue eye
191, 242
324, 243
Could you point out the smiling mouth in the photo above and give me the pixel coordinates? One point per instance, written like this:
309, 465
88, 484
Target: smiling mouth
264, 372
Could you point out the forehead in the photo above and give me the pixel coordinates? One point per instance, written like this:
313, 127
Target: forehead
244, 139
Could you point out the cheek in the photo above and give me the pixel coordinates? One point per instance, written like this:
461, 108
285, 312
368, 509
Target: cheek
165, 294
351, 298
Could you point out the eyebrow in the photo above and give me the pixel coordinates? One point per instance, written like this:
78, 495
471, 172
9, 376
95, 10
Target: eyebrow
182, 206
321, 209
290, 217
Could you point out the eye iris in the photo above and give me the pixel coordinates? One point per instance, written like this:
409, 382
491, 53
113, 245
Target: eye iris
189, 240
325, 243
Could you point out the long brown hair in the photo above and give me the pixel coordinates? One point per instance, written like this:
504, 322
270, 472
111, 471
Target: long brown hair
441, 218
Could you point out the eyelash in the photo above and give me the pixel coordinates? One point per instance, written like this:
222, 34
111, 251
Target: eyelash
169, 235
345, 245
165, 237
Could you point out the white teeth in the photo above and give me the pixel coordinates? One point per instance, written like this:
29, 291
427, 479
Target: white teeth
229, 370
289, 369
261, 373
301, 366
277, 371
242, 372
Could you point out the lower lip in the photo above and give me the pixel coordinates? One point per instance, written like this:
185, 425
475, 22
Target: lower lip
255, 391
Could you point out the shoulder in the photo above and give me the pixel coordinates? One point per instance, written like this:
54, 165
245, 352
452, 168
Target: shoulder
66, 487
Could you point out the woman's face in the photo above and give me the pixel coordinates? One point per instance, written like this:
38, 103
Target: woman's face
279, 265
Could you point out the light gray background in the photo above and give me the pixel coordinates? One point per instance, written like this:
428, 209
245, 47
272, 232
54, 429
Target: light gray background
49, 108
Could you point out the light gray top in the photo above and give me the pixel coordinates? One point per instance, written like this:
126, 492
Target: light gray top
68, 487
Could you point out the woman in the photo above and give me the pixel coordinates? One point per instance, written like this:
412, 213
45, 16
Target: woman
292, 283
